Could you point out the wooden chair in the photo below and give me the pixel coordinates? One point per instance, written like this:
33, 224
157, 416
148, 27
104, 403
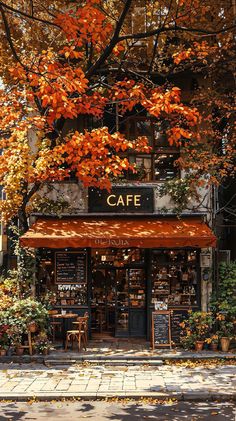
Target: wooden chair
77, 334
29, 346
85, 319
55, 324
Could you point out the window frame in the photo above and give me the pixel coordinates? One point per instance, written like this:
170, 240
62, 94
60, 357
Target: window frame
156, 150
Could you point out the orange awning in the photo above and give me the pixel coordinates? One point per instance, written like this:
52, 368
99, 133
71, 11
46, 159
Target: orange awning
120, 232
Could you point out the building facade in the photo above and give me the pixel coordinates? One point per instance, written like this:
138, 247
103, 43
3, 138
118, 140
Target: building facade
124, 253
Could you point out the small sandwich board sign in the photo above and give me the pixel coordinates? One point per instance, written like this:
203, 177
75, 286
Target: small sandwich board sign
161, 329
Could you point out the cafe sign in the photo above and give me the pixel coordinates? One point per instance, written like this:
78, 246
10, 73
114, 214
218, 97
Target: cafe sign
121, 200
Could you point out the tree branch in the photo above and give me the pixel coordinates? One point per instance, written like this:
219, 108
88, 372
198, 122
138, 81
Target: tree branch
32, 191
9, 38
175, 28
153, 53
22, 210
114, 40
26, 15
32, 8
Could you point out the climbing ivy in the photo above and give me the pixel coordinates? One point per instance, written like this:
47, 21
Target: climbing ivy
181, 191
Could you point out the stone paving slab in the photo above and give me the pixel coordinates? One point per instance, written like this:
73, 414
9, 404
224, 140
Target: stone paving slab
22, 382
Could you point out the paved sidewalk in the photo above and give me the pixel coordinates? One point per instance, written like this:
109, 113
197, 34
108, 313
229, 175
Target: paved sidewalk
118, 352
22, 382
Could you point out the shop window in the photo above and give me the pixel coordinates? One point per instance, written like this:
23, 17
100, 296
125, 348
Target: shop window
174, 279
62, 278
164, 166
159, 165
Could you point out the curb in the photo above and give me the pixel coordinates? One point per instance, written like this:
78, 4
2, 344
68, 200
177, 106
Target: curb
188, 396
116, 360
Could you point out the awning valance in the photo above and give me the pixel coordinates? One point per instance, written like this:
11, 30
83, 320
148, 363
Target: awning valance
120, 232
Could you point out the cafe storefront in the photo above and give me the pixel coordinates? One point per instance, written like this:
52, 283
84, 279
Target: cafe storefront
121, 266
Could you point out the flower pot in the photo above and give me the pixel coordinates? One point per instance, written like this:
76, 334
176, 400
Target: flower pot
19, 351
32, 327
199, 345
9, 352
46, 351
214, 347
3, 352
225, 342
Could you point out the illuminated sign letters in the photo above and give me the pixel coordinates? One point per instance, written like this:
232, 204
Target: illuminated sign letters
121, 200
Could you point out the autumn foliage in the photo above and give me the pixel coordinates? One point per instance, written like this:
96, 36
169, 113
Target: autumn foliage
81, 62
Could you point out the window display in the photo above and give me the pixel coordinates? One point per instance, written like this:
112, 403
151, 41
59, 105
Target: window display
174, 278
63, 277
70, 295
137, 287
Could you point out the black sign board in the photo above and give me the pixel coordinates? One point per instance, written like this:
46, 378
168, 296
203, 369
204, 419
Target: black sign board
161, 333
121, 200
177, 316
70, 267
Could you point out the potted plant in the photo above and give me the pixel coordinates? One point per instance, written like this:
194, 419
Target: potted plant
225, 332
14, 333
196, 328
19, 349
4, 340
223, 304
187, 339
3, 350
42, 343
32, 327
32, 313
213, 341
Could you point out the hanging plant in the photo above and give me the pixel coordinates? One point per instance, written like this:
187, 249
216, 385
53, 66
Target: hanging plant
48, 206
181, 192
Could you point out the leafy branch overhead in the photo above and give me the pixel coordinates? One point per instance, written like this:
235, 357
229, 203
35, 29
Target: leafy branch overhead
66, 66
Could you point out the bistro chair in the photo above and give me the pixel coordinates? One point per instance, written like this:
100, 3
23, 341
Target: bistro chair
84, 319
77, 334
55, 324
28, 344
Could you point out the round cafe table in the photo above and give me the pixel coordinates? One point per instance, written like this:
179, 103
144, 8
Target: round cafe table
64, 317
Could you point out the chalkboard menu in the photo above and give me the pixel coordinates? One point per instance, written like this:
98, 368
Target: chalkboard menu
161, 333
177, 316
71, 267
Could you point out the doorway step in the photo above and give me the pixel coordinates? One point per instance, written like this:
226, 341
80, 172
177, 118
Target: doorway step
103, 337
158, 357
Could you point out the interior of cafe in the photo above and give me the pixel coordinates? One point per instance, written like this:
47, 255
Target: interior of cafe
120, 288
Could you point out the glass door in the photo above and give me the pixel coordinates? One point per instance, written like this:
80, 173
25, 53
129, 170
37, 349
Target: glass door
130, 302
137, 302
137, 288
122, 302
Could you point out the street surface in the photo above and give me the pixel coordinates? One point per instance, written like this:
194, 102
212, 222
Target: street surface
117, 411
78, 380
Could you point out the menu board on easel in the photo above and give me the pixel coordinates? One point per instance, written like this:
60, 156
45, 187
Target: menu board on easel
161, 332
70, 267
177, 316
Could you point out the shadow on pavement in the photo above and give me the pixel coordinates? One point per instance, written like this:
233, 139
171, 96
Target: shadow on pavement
118, 411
